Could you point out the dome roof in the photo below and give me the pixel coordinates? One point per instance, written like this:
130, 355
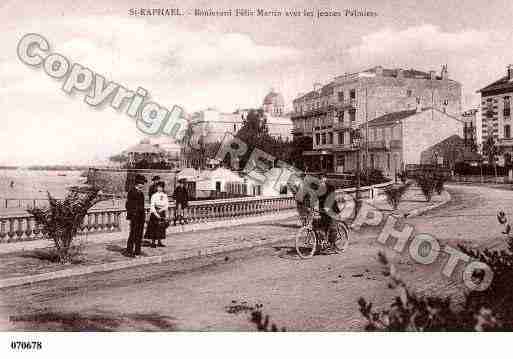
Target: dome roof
274, 98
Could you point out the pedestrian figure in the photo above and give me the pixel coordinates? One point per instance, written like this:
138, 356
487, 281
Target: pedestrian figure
501, 217
157, 225
136, 214
153, 187
181, 198
12, 184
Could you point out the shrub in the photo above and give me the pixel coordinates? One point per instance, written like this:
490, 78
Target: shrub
439, 183
394, 194
491, 309
62, 218
369, 177
426, 182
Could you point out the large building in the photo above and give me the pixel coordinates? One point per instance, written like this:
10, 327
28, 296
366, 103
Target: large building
213, 124
496, 113
329, 113
397, 139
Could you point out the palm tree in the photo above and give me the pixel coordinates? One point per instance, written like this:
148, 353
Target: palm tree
62, 218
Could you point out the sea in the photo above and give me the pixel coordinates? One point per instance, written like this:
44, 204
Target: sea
28, 185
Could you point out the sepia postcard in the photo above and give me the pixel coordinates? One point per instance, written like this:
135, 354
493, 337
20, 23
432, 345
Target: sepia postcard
227, 167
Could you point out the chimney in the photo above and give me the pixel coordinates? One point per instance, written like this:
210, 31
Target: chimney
317, 86
432, 75
510, 72
444, 73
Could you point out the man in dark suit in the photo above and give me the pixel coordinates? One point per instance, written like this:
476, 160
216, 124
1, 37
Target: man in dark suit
136, 214
181, 198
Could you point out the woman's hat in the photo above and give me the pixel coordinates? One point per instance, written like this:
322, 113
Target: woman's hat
161, 184
156, 178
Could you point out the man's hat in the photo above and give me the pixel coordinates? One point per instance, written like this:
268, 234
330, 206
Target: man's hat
140, 179
156, 178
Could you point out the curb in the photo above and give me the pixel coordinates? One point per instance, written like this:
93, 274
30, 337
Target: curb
107, 267
419, 211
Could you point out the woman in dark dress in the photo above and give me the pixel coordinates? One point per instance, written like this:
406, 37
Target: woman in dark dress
159, 208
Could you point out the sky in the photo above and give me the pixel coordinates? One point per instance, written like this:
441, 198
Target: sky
222, 62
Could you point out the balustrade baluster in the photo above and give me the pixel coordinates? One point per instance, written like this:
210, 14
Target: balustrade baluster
28, 230
2, 230
11, 232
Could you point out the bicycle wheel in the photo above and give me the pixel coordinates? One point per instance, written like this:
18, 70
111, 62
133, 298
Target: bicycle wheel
306, 243
342, 240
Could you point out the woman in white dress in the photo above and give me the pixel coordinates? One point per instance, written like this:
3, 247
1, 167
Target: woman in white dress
159, 210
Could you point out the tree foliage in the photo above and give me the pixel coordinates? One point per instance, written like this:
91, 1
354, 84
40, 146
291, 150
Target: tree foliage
62, 219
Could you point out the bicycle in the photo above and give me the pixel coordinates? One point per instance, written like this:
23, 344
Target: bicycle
310, 239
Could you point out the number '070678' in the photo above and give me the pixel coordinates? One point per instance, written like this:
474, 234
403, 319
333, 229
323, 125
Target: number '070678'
26, 345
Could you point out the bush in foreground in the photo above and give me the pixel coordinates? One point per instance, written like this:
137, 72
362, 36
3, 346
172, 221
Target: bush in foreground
62, 219
491, 309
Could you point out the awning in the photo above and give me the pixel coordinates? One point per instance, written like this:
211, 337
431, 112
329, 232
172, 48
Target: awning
317, 153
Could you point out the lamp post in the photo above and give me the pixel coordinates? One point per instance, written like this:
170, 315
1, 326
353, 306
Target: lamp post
356, 143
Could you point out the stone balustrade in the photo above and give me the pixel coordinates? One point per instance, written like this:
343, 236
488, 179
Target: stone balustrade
20, 227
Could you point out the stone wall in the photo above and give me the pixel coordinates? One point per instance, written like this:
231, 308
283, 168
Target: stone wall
117, 182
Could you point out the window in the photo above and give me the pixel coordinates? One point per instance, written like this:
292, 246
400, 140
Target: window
341, 96
388, 161
507, 131
323, 137
234, 128
317, 139
507, 109
330, 138
352, 94
352, 116
341, 138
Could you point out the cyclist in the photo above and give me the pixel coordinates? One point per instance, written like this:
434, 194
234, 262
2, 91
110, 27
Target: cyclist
328, 208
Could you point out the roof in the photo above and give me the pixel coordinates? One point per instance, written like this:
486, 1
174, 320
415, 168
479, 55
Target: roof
188, 173
274, 98
502, 84
144, 148
391, 118
411, 73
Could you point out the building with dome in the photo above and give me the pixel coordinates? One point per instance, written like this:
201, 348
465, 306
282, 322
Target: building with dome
274, 104
214, 124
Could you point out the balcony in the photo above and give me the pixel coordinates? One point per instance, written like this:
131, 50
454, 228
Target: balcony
342, 125
376, 145
345, 147
349, 103
395, 144
504, 142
